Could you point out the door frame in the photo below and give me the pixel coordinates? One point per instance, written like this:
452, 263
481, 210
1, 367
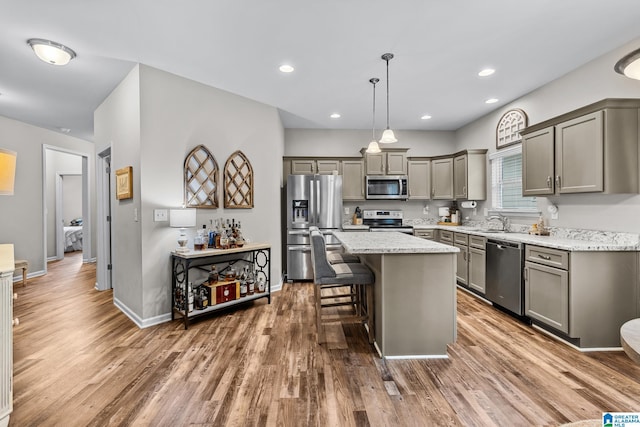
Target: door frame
103, 230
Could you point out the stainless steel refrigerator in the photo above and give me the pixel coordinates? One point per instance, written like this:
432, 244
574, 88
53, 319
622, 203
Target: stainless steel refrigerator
312, 200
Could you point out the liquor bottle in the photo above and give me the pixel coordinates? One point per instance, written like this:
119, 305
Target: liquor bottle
251, 283
262, 286
243, 284
213, 275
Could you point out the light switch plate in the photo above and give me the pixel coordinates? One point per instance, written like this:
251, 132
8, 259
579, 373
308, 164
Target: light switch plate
160, 215
346, 211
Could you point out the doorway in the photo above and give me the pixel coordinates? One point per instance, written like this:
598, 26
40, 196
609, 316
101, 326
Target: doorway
57, 160
103, 232
68, 215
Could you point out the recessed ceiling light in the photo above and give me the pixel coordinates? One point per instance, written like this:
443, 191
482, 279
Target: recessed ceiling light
335, 116
51, 52
425, 117
491, 101
486, 72
285, 68
64, 130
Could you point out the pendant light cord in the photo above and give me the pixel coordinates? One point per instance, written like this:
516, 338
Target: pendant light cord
373, 120
388, 93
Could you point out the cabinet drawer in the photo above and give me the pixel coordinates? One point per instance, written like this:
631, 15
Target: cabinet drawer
477, 242
446, 236
425, 234
547, 256
461, 238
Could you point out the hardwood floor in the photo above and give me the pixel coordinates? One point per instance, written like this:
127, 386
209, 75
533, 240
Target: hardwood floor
80, 362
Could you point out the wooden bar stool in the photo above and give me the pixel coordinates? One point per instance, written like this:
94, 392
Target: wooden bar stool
24, 265
356, 278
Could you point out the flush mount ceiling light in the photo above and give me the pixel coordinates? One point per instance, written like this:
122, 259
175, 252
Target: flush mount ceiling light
491, 101
629, 65
387, 136
51, 52
373, 145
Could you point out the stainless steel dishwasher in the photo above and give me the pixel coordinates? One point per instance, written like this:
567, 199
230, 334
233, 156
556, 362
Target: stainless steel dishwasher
504, 285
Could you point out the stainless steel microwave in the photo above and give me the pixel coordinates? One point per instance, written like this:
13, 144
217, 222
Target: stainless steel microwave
386, 187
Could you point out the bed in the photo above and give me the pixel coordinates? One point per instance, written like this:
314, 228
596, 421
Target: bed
72, 238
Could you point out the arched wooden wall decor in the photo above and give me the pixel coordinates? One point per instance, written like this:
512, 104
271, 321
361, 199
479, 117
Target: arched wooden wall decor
238, 182
509, 127
200, 179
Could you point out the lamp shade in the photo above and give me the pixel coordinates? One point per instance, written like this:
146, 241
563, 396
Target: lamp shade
388, 137
7, 171
373, 147
51, 52
182, 218
630, 65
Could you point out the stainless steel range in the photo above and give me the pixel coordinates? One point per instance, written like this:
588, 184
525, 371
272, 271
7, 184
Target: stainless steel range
385, 220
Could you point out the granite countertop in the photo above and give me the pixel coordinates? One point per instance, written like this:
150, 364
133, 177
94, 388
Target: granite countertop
566, 239
389, 243
585, 240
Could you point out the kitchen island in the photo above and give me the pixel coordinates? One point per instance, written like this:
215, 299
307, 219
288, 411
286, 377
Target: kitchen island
414, 292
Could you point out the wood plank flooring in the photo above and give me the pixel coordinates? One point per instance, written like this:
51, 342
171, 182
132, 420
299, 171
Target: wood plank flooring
80, 362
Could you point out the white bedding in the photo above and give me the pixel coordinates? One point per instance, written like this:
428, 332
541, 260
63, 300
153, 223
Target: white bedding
72, 239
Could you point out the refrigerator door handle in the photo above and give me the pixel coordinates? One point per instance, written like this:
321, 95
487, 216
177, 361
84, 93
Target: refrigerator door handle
299, 248
318, 201
312, 203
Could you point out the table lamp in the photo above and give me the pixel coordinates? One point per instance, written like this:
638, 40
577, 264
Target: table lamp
182, 219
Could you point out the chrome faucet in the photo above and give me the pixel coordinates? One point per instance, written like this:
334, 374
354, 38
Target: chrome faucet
503, 220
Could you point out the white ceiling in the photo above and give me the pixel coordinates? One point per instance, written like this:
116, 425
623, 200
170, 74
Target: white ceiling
335, 46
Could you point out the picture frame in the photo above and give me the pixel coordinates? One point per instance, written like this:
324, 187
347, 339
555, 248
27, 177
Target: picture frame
124, 183
509, 127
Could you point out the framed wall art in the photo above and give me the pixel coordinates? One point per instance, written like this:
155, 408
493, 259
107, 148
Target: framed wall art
509, 127
124, 183
201, 179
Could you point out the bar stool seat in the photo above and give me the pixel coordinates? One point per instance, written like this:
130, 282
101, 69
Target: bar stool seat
335, 257
22, 264
356, 281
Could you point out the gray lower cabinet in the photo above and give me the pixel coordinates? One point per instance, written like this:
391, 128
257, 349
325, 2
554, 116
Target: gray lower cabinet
461, 241
547, 295
477, 263
587, 296
426, 234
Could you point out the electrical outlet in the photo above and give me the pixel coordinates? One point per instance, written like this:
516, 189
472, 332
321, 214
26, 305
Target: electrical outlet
346, 211
135, 214
486, 211
425, 210
160, 215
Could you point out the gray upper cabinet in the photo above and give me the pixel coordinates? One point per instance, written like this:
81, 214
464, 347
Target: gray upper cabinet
590, 150
419, 172
470, 175
538, 170
312, 167
391, 161
442, 178
352, 180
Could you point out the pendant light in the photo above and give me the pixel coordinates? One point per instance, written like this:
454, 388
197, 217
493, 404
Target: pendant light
387, 136
629, 65
373, 145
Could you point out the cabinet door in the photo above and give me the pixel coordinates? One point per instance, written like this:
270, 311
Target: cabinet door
547, 295
538, 163
396, 163
460, 178
328, 167
419, 179
462, 272
352, 180
303, 167
376, 163
580, 154
477, 276
442, 179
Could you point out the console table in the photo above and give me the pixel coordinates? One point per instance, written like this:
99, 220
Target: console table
258, 255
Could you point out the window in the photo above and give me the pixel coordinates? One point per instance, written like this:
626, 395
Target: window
506, 183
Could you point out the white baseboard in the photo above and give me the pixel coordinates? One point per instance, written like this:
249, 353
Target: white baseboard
141, 323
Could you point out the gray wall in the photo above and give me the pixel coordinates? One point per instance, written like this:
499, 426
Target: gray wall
167, 117
592, 82
21, 215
